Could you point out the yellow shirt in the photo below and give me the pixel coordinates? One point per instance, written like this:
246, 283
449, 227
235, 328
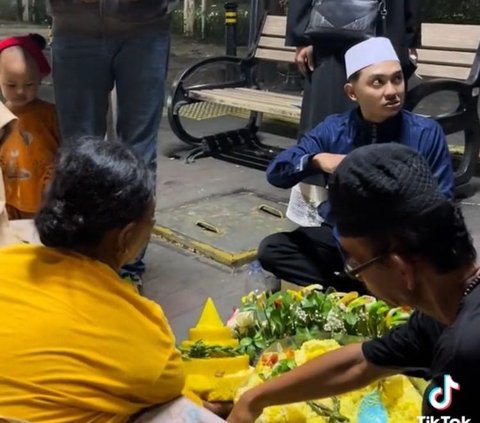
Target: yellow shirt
77, 343
27, 155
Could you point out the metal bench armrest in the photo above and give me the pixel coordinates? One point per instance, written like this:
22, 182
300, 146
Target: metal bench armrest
426, 88
179, 95
464, 118
474, 77
245, 65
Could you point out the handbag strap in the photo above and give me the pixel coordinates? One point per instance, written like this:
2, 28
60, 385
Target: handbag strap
382, 10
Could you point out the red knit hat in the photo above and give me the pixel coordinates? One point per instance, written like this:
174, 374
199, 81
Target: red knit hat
29, 44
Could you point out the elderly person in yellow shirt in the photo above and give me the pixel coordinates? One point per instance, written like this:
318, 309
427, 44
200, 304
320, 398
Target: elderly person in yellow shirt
78, 343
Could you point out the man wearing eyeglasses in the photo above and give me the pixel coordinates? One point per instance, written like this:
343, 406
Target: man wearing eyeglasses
412, 247
375, 81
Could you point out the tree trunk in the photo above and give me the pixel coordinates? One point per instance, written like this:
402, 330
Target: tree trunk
188, 17
19, 10
26, 10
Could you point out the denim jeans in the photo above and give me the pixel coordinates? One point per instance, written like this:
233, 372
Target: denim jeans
85, 69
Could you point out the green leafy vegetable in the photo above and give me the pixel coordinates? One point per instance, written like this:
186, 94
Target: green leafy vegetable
283, 366
333, 414
200, 350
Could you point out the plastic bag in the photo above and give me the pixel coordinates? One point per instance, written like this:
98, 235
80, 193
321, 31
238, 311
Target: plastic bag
181, 410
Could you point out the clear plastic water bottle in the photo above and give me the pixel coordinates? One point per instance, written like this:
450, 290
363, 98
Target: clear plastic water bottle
255, 279
258, 280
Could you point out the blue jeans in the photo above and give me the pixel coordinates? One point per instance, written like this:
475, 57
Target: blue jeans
85, 69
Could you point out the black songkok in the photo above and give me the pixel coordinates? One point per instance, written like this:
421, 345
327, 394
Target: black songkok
380, 187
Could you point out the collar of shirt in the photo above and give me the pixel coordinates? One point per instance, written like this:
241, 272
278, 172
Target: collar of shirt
370, 133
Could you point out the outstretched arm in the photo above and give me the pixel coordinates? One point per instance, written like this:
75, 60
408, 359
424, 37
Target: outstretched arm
331, 374
408, 347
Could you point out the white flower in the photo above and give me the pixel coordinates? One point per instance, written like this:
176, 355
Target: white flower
301, 315
334, 322
241, 321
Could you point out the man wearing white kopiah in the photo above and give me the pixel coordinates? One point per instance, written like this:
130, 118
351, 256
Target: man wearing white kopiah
375, 81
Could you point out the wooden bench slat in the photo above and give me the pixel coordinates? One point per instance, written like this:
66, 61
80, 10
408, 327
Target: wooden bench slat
455, 58
274, 42
275, 26
253, 95
438, 71
450, 36
275, 55
290, 97
248, 103
258, 107
259, 96
443, 36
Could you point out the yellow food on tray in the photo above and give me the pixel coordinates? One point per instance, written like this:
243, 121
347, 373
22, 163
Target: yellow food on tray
221, 388
214, 369
312, 349
401, 399
210, 329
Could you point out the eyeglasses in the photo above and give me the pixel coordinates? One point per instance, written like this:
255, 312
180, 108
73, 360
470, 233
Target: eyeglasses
354, 271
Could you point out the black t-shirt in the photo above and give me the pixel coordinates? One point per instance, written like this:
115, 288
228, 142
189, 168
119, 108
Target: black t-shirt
424, 347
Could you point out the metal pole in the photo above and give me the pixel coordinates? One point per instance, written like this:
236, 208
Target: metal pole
231, 28
203, 11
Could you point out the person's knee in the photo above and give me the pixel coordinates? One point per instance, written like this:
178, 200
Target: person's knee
268, 253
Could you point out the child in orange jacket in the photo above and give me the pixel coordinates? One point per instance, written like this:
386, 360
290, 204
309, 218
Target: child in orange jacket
28, 152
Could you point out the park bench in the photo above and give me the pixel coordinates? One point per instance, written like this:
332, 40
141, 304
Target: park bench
240, 89
449, 60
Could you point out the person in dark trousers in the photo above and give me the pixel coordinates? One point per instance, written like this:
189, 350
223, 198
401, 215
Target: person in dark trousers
322, 62
375, 81
410, 245
99, 44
